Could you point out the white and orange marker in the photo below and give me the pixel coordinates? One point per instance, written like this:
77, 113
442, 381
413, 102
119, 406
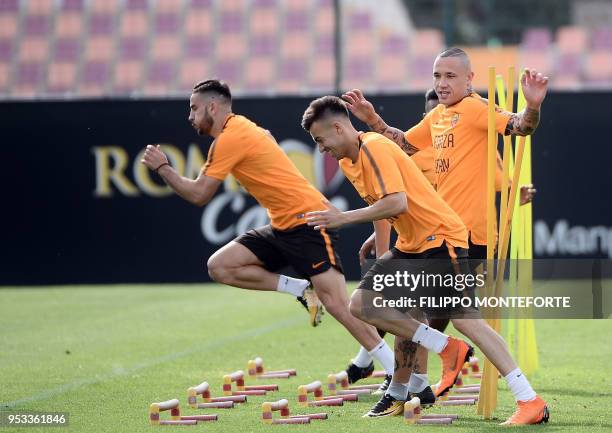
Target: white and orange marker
334, 379
255, 368
413, 415
378, 373
314, 388
175, 414
282, 406
268, 407
202, 389
229, 379
474, 365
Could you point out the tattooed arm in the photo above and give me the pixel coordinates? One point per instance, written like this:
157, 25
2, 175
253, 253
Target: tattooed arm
364, 111
523, 123
394, 134
535, 86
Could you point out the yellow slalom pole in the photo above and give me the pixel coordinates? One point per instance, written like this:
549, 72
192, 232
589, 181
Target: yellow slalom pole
488, 390
508, 103
527, 343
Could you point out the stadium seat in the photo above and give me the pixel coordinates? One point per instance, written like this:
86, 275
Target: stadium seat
134, 20
128, 77
541, 61
34, 48
234, 47
231, 6
321, 75
292, 74
9, 18
198, 23
421, 72
167, 47
571, 40
6, 51
602, 39
324, 18
598, 68
260, 74
27, 78
62, 71
568, 71
536, 39
392, 64
359, 73
61, 77
324, 45
264, 18
5, 76
161, 75
427, 42
192, 71
133, 48
198, 47
70, 20
229, 71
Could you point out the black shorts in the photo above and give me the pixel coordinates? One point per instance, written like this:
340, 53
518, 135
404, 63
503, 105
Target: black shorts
477, 252
308, 251
445, 274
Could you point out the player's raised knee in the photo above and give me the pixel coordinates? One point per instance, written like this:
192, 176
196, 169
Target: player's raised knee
217, 269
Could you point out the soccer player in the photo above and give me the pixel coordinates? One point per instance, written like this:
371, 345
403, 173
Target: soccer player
252, 260
395, 189
362, 364
457, 129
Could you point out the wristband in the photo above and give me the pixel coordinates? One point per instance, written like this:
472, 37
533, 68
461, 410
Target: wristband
157, 169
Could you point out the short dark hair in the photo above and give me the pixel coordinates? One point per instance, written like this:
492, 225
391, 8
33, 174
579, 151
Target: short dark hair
321, 108
453, 52
457, 52
431, 95
214, 86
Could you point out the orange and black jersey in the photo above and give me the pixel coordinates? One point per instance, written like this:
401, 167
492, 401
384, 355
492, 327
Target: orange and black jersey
382, 168
458, 134
254, 158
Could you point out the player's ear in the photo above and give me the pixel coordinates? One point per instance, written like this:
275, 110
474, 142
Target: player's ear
338, 127
470, 78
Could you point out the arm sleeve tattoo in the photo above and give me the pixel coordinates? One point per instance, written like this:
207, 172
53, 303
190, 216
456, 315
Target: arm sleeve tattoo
523, 123
394, 134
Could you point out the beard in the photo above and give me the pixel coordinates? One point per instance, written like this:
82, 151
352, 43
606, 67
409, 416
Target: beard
205, 125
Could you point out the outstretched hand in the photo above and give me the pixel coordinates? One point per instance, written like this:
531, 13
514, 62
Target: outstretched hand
535, 86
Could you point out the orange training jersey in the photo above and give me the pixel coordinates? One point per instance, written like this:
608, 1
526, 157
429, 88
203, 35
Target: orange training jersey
254, 158
459, 137
382, 168
424, 160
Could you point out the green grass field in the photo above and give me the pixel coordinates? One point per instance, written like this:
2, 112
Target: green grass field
104, 353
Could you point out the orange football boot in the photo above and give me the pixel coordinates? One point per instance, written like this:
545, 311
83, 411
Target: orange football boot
529, 412
455, 354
